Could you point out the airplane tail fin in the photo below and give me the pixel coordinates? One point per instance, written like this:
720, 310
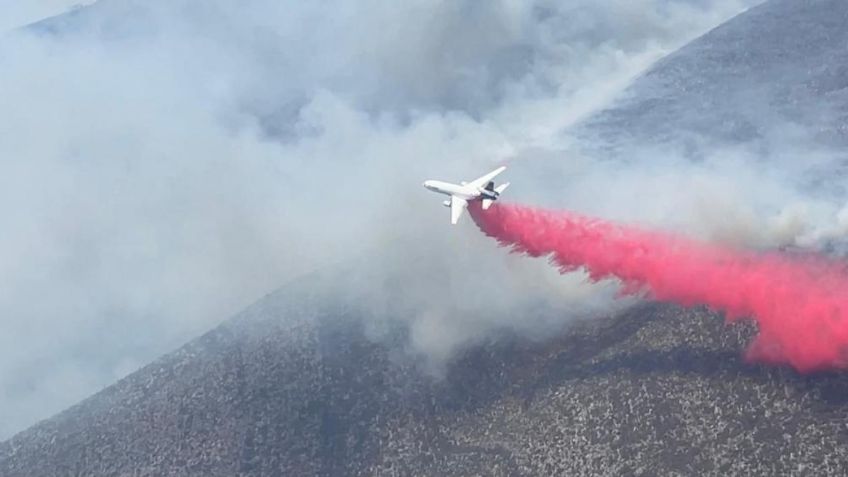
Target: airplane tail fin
499, 189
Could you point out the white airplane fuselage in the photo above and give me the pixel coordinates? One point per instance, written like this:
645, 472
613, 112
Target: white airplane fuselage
482, 189
463, 191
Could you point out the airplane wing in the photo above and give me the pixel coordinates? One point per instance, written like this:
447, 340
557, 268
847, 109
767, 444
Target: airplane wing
482, 181
457, 206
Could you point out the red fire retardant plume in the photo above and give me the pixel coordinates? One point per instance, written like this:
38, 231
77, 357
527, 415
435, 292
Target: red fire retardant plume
799, 303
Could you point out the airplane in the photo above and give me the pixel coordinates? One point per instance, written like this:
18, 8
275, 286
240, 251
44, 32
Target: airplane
461, 194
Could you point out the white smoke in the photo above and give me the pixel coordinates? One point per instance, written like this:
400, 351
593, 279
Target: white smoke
164, 164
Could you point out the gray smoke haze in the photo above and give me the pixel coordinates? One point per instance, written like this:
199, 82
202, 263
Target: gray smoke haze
164, 164
17, 14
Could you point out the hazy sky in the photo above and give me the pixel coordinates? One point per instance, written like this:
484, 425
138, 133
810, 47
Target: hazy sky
165, 163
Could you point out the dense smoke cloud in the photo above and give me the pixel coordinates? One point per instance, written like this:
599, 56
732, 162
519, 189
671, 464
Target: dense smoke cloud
165, 163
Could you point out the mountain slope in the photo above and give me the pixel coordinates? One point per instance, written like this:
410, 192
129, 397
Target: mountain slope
294, 387
764, 78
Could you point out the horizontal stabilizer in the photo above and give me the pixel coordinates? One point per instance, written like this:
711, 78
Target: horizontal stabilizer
487, 203
499, 189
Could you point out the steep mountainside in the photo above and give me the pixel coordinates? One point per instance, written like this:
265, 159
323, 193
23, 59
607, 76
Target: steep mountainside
293, 387
773, 73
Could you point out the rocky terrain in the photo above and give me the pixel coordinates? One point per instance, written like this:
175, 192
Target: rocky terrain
767, 78
294, 386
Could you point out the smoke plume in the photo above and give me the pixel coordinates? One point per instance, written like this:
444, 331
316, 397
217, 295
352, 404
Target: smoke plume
165, 163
